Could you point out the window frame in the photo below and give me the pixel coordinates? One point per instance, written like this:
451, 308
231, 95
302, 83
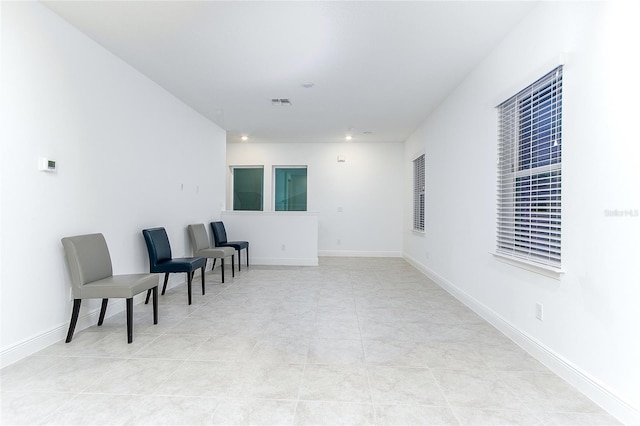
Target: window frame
529, 181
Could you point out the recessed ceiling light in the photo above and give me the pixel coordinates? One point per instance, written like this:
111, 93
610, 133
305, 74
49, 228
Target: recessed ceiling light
245, 138
348, 137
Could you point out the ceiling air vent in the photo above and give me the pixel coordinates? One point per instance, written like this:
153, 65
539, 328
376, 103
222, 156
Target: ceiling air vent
280, 102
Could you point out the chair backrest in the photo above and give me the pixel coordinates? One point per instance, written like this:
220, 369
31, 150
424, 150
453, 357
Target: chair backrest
219, 234
198, 236
157, 245
88, 259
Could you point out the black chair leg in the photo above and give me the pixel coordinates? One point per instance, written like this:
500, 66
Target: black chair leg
189, 275
164, 287
74, 319
166, 280
247, 256
155, 304
233, 265
214, 264
239, 260
202, 275
103, 310
221, 269
130, 319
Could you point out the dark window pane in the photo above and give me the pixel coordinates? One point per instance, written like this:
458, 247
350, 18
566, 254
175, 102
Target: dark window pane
540, 126
247, 188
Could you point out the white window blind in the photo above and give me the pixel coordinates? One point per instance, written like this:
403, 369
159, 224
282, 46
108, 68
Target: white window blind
418, 193
530, 172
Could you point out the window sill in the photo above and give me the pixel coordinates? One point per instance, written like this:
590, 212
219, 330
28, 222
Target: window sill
269, 213
538, 268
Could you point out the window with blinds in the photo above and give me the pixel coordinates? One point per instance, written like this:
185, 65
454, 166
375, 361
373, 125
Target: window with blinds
418, 193
530, 172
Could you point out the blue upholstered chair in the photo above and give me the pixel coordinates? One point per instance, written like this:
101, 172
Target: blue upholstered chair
92, 278
220, 239
160, 260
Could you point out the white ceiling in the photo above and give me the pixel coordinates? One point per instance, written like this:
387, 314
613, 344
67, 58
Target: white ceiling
377, 67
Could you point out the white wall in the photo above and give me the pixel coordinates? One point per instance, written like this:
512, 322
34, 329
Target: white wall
130, 156
591, 324
275, 238
365, 186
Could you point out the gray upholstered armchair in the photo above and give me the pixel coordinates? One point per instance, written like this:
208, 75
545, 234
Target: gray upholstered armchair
92, 278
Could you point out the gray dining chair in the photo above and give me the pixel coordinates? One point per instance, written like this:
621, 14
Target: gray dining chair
92, 277
201, 248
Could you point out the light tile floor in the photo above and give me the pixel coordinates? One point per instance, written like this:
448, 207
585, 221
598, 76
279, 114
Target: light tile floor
353, 341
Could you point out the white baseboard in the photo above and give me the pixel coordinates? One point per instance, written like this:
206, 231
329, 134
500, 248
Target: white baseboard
283, 261
36, 343
31, 345
583, 381
87, 319
358, 253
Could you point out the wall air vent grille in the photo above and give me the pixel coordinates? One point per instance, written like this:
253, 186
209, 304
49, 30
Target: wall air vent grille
280, 102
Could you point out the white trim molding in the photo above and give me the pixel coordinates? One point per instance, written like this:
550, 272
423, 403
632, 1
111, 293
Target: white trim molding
564, 368
538, 268
283, 261
36, 343
358, 253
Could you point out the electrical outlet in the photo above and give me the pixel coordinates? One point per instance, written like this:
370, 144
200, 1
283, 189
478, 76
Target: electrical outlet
283, 247
338, 241
539, 311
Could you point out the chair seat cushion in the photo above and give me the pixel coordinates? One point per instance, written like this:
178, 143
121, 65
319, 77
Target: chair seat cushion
118, 286
181, 264
238, 245
218, 252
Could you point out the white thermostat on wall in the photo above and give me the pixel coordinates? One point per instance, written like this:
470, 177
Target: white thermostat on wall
47, 165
